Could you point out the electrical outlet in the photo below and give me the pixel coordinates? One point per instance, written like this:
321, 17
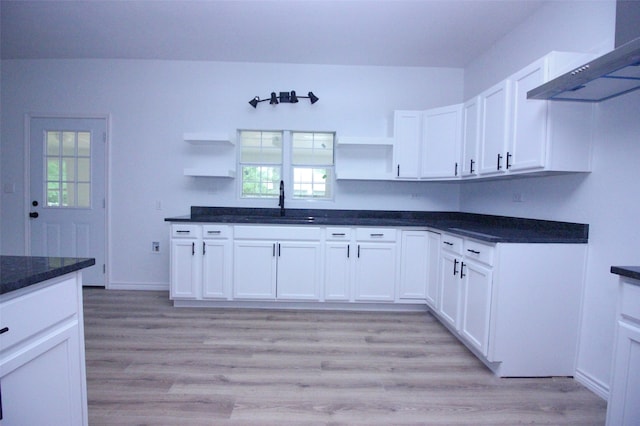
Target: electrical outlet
155, 247
517, 197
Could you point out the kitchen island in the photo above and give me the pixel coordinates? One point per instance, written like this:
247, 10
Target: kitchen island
42, 362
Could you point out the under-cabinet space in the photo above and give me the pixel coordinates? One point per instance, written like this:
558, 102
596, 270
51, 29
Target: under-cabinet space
364, 158
210, 155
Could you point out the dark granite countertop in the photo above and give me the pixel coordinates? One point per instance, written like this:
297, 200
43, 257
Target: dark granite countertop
489, 228
18, 272
627, 271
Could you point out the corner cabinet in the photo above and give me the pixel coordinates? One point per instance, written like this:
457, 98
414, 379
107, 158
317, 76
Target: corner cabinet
212, 155
516, 306
42, 360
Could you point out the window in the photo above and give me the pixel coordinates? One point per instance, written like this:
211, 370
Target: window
312, 165
68, 169
308, 158
260, 163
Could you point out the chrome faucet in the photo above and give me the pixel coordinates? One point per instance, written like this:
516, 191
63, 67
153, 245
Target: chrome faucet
281, 201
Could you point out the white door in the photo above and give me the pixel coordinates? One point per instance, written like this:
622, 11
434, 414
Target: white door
67, 191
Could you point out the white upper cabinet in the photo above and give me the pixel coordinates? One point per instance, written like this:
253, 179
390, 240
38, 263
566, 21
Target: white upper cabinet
548, 136
441, 142
408, 138
470, 136
494, 128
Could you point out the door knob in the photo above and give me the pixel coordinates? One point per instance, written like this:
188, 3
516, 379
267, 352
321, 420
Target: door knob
33, 215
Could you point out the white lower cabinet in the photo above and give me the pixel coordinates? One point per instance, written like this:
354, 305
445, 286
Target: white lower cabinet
277, 263
516, 306
624, 397
450, 284
200, 262
414, 266
42, 365
375, 265
477, 285
338, 264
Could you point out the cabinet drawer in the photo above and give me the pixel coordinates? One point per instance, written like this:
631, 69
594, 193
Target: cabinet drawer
338, 234
277, 233
451, 243
630, 302
481, 252
185, 231
216, 231
375, 234
34, 312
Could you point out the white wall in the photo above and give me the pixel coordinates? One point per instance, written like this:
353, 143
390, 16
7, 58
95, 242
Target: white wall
152, 103
607, 198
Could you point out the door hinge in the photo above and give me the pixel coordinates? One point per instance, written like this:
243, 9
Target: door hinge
104, 203
104, 268
104, 137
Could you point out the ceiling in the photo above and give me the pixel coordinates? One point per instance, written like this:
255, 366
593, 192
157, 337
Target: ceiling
432, 33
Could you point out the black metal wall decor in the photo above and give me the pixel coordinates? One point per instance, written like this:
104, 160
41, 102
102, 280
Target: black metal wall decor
284, 97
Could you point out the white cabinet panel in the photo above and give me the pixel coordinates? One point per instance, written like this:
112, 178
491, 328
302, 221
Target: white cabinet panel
298, 275
406, 150
477, 281
375, 272
254, 269
216, 268
338, 270
441, 142
495, 113
185, 269
414, 265
470, 136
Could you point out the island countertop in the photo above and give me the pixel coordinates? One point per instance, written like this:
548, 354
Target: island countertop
489, 228
17, 272
627, 271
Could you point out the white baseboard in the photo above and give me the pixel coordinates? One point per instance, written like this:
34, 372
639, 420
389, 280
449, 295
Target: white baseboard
594, 385
137, 286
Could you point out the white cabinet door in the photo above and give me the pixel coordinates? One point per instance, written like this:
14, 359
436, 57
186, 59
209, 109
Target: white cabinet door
42, 385
406, 149
494, 104
441, 142
527, 145
298, 273
375, 278
470, 136
338, 269
433, 269
624, 401
413, 265
476, 304
185, 268
216, 269
254, 269
450, 285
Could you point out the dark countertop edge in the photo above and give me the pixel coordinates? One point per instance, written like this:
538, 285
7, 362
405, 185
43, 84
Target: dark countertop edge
41, 275
488, 228
627, 271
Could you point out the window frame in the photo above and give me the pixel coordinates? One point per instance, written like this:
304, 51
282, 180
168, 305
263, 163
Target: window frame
286, 169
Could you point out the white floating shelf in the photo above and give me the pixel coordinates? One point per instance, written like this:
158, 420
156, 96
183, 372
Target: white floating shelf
209, 172
357, 140
207, 139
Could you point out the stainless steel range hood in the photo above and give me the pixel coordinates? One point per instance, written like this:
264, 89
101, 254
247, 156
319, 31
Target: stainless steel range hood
611, 75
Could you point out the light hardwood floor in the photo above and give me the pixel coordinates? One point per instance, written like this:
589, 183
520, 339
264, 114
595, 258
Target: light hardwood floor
149, 363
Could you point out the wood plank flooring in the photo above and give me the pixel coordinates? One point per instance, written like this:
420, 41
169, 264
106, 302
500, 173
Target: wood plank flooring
149, 363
